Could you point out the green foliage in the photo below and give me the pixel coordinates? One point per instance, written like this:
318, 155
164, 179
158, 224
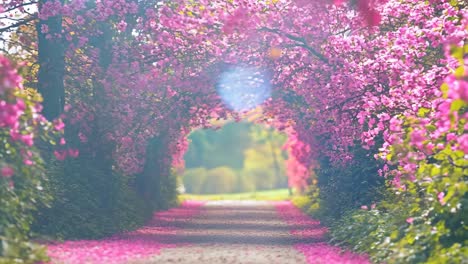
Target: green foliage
245, 183
89, 202
260, 178
215, 148
345, 188
423, 219
169, 195
220, 180
270, 195
406, 227
309, 202
252, 151
424, 223
194, 179
16, 207
264, 166
23, 192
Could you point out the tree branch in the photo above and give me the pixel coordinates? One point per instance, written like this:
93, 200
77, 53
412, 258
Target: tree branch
302, 43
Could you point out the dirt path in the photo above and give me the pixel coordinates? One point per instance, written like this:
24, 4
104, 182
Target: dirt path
216, 232
233, 232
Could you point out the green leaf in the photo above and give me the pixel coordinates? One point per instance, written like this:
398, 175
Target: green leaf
389, 157
431, 128
422, 112
460, 72
457, 105
457, 52
444, 88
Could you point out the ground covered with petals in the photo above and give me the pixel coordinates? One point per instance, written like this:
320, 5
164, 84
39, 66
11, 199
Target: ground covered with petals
122, 248
214, 232
306, 228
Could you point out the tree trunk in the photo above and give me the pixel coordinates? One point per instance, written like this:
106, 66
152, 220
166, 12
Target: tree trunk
154, 170
51, 60
275, 158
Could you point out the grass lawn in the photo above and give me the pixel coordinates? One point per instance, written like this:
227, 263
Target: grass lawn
270, 195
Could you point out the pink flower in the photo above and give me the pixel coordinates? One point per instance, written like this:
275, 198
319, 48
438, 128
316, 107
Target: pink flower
338, 2
463, 143
59, 125
80, 20
451, 137
417, 138
235, 21
458, 88
364, 207
62, 141
27, 139
370, 14
441, 196
67, 107
73, 153
28, 162
44, 29
7, 171
15, 135
122, 25
82, 137
395, 124
409, 220
60, 155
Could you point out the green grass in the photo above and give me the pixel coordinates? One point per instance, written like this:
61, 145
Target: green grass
271, 195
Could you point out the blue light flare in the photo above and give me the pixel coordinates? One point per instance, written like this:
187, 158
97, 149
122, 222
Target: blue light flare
243, 88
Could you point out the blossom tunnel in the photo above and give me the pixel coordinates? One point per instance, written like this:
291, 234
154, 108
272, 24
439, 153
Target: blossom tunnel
366, 87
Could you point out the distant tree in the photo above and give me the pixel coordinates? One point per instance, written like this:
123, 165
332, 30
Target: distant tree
194, 179
220, 180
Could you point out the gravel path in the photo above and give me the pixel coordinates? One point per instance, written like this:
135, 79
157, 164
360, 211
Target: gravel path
214, 232
233, 232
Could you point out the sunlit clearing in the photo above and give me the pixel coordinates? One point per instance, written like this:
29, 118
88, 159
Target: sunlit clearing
244, 88
238, 158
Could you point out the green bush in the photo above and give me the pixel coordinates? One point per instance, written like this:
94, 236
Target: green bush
423, 218
17, 205
263, 179
89, 202
21, 179
194, 179
404, 228
424, 221
347, 187
220, 180
245, 183
309, 203
169, 194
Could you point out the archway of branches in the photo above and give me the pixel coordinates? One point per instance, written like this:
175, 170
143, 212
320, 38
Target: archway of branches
132, 79
356, 86
153, 76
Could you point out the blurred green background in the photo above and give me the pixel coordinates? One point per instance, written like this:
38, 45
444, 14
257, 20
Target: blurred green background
239, 157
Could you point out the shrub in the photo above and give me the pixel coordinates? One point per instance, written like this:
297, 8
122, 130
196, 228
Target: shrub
89, 202
405, 228
169, 193
220, 180
347, 187
422, 219
22, 170
309, 202
194, 179
245, 183
264, 179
